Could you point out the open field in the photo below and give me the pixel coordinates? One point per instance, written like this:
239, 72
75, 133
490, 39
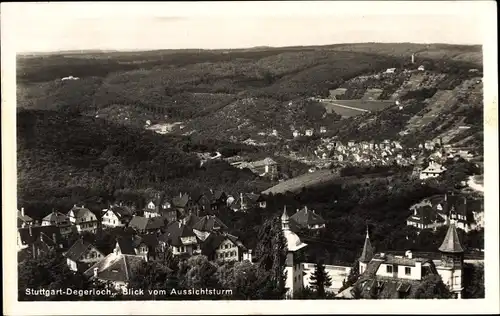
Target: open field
348, 108
306, 180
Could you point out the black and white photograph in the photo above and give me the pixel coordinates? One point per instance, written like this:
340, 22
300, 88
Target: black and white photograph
264, 151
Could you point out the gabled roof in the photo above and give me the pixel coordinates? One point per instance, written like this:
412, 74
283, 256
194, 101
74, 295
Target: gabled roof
180, 201
219, 194
209, 223
305, 217
80, 212
425, 215
79, 248
138, 222
113, 267
451, 242
126, 245
190, 220
175, 231
121, 211
56, 218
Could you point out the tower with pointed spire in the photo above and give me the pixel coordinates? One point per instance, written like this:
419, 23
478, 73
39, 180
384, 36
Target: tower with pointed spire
366, 254
294, 273
452, 258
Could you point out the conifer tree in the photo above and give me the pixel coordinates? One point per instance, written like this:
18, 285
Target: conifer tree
320, 279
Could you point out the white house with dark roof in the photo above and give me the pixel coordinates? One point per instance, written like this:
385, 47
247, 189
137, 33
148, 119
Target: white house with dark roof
81, 255
116, 216
83, 219
434, 170
181, 239
59, 220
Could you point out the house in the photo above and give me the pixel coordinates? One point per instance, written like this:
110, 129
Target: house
454, 208
23, 220
145, 245
147, 225
390, 70
59, 220
154, 210
116, 216
389, 276
37, 236
181, 203
434, 170
322, 130
225, 247
265, 167
421, 68
429, 145
308, 219
208, 224
181, 239
351, 143
425, 217
82, 255
83, 219
115, 268
296, 134
309, 132
247, 201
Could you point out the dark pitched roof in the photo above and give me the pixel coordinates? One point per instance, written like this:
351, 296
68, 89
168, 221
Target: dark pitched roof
367, 253
138, 222
115, 267
425, 215
29, 235
305, 217
210, 244
156, 223
180, 201
175, 231
195, 196
190, 220
78, 249
219, 194
126, 245
150, 240
121, 211
209, 223
451, 242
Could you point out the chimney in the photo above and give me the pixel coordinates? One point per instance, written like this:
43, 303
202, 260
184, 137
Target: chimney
305, 208
41, 237
180, 194
22, 211
30, 230
95, 272
297, 211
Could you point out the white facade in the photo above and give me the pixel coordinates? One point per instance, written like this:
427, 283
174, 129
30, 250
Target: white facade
434, 170
109, 219
401, 271
338, 274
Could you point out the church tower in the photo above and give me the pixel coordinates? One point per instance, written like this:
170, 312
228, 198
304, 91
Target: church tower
294, 271
452, 259
366, 254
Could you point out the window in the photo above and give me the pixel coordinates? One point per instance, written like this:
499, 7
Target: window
389, 269
407, 271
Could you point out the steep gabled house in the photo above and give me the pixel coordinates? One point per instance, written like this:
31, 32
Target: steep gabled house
208, 224
455, 207
308, 219
224, 247
115, 268
23, 220
147, 225
425, 217
83, 219
82, 255
433, 170
59, 220
181, 239
145, 245
157, 209
180, 203
116, 216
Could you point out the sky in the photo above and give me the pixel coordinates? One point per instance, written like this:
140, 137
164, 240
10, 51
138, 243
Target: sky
43, 27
